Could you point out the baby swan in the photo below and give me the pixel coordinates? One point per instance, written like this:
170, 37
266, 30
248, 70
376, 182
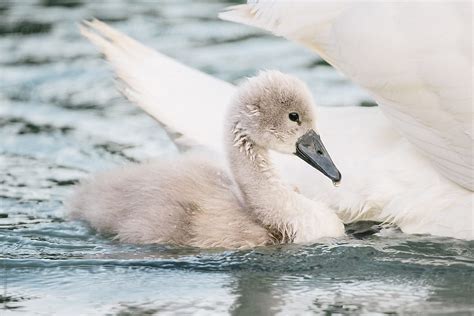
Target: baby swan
192, 201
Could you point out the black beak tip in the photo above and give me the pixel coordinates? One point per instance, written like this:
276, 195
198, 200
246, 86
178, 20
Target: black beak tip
336, 180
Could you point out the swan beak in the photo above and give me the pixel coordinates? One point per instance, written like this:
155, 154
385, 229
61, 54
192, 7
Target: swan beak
310, 148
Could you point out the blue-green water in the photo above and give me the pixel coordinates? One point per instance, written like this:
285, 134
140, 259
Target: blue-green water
61, 119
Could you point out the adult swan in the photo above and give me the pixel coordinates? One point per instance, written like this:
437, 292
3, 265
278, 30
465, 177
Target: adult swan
416, 61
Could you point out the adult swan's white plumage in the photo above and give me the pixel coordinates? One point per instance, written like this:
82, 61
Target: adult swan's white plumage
415, 59
385, 178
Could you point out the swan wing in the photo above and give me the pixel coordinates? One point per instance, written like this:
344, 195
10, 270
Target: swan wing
414, 58
154, 81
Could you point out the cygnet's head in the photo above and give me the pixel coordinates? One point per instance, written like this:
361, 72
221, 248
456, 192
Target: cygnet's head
276, 112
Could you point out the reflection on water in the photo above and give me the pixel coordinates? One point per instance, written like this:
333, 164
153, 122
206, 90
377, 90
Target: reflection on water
79, 269
61, 119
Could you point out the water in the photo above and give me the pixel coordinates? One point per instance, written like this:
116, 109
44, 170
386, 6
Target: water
61, 119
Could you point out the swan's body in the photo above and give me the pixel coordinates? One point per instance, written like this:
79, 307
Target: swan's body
193, 202
187, 201
386, 177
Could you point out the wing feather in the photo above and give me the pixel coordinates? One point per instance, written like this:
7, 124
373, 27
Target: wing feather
177, 96
415, 58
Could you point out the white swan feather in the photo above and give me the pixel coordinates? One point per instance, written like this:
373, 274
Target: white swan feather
415, 58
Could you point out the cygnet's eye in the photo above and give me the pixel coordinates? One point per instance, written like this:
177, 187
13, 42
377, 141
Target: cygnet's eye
294, 117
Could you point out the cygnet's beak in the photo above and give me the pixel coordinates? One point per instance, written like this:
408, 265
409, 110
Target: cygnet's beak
310, 148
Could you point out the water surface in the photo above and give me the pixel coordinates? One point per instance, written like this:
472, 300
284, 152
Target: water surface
62, 119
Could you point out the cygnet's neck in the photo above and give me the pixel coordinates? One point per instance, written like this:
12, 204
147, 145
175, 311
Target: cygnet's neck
287, 215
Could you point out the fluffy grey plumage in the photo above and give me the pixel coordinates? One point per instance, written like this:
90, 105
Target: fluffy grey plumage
187, 201
194, 201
